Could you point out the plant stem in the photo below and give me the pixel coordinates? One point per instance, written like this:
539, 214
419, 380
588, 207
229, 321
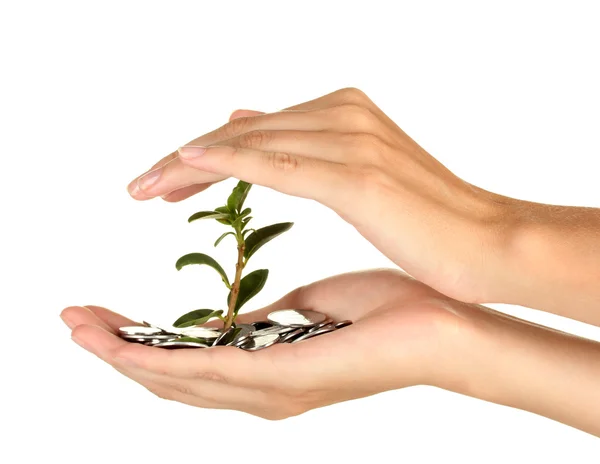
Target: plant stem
235, 288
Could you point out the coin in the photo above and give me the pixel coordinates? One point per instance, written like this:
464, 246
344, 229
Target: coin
343, 324
283, 326
245, 331
322, 324
175, 344
260, 342
228, 337
291, 335
296, 317
275, 329
321, 331
140, 330
148, 337
201, 332
259, 325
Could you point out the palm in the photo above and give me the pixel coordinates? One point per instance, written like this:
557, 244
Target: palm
393, 315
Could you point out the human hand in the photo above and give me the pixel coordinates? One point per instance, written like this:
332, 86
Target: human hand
400, 337
344, 152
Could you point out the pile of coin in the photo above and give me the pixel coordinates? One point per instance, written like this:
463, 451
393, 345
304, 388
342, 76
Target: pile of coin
282, 326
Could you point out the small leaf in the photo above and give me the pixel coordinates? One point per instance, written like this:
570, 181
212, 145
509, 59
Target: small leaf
222, 237
246, 221
207, 215
197, 317
224, 210
261, 236
247, 232
249, 287
246, 212
201, 258
238, 196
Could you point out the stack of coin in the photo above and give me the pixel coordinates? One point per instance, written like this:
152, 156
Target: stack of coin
282, 326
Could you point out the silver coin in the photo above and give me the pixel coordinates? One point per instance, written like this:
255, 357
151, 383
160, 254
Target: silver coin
276, 329
325, 323
288, 337
321, 331
296, 317
259, 325
158, 335
246, 330
227, 337
139, 330
175, 344
258, 343
341, 324
200, 332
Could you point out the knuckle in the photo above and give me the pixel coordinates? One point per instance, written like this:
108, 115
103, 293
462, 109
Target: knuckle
281, 161
180, 388
255, 139
368, 143
210, 375
353, 95
356, 116
235, 127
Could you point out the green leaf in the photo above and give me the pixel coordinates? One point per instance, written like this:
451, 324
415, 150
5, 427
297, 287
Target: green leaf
247, 232
224, 210
246, 221
261, 236
223, 236
238, 196
207, 215
240, 218
249, 287
197, 317
201, 258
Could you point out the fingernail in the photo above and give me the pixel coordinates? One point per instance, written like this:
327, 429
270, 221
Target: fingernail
149, 179
189, 151
68, 322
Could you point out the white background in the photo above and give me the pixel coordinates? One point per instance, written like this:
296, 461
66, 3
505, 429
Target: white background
93, 93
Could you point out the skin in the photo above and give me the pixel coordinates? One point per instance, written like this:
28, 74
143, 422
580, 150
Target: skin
465, 246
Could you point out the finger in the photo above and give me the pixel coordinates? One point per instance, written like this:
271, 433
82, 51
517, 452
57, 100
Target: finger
138, 188
334, 147
328, 183
112, 319
366, 290
78, 315
173, 175
166, 392
210, 392
185, 192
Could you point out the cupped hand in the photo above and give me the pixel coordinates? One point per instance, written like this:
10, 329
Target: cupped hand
344, 152
400, 337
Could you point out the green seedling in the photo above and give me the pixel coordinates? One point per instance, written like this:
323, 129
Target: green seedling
248, 241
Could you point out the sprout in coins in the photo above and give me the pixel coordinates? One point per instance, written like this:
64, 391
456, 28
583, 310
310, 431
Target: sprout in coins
248, 241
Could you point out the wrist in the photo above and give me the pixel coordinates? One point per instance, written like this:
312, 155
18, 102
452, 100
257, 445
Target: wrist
508, 361
547, 258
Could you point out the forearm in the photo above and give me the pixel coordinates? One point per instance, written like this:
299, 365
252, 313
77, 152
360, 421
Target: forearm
512, 362
551, 260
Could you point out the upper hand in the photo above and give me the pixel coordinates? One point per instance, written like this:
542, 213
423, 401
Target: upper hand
344, 152
400, 337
